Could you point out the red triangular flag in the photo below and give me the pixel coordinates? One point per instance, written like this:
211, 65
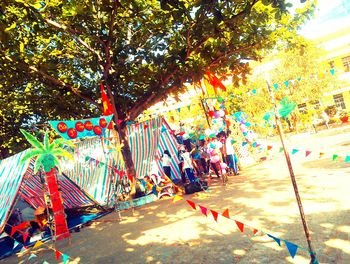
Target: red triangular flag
269, 147
307, 153
240, 225
130, 178
145, 126
107, 106
192, 204
172, 132
58, 254
121, 174
215, 215
119, 121
203, 210
226, 214
13, 230
25, 236
215, 82
255, 231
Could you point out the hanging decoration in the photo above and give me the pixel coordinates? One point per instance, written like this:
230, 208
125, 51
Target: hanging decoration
73, 129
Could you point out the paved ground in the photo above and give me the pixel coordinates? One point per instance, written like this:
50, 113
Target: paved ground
261, 197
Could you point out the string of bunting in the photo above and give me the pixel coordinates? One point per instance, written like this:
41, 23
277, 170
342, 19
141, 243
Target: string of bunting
291, 247
25, 235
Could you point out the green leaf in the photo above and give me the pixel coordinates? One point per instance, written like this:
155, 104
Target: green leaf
38, 163
30, 154
46, 141
32, 140
13, 25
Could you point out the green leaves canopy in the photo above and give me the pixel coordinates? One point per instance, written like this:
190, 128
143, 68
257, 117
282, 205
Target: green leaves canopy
53, 53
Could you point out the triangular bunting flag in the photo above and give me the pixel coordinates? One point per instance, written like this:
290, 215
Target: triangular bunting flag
15, 244
25, 236
335, 156
240, 226
294, 151
65, 258
215, 215
269, 147
177, 198
226, 214
244, 143
179, 109
119, 121
13, 230
255, 231
321, 154
145, 126
192, 204
292, 248
37, 244
189, 107
275, 85
276, 239
245, 133
32, 256
281, 149
307, 153
286, 83
332, 71
163, 129
204, 210
347, 159
58, 254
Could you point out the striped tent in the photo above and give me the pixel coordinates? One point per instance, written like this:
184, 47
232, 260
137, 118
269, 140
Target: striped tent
97, 158
18, 180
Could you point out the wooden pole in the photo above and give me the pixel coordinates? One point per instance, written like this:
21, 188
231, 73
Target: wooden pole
292, 177
205, 113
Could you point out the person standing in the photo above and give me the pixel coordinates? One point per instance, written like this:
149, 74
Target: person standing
188, 166
166, 160
230, 154
214, 150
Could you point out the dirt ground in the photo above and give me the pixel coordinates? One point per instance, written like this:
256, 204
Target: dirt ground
261, 197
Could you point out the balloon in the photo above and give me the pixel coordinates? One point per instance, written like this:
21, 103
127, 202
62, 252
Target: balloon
221, 113
216, 114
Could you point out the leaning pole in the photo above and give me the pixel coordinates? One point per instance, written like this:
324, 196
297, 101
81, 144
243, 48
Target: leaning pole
292, 177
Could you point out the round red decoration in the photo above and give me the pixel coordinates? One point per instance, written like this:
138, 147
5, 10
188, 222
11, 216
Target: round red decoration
79, 126
88, 125
103, 122
97, 130
62, 127
72, 133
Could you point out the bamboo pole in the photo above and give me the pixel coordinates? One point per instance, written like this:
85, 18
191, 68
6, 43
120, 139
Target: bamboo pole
292, 177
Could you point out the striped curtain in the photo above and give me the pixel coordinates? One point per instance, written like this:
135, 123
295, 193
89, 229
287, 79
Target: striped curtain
11, 176
32, 190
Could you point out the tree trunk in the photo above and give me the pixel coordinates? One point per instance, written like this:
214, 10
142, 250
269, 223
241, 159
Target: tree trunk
127, 157
60, 223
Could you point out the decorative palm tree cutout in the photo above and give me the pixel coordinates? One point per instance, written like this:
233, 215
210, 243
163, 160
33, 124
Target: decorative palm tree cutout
47, 156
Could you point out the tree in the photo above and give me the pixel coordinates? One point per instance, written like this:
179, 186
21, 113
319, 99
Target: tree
296, 73
58, 51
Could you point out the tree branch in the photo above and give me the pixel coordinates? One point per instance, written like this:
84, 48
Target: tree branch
52, 79
67, 29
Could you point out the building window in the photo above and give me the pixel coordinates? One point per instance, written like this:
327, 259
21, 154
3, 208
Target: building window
302, 108
339, 101
346, 63
316, 104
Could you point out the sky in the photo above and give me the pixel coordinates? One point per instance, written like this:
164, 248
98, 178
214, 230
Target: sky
329, 16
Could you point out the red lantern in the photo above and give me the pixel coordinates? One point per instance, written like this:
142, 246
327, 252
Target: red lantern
72, 133
103, 122
79, 126
62, 127
88, 125
97, 130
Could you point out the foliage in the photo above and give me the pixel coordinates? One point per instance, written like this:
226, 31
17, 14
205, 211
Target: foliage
54, 53
295, 73
46, 154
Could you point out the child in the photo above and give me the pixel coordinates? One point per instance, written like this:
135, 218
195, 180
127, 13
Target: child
188, 166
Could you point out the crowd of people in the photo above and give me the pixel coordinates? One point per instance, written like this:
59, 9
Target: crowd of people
204, 157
